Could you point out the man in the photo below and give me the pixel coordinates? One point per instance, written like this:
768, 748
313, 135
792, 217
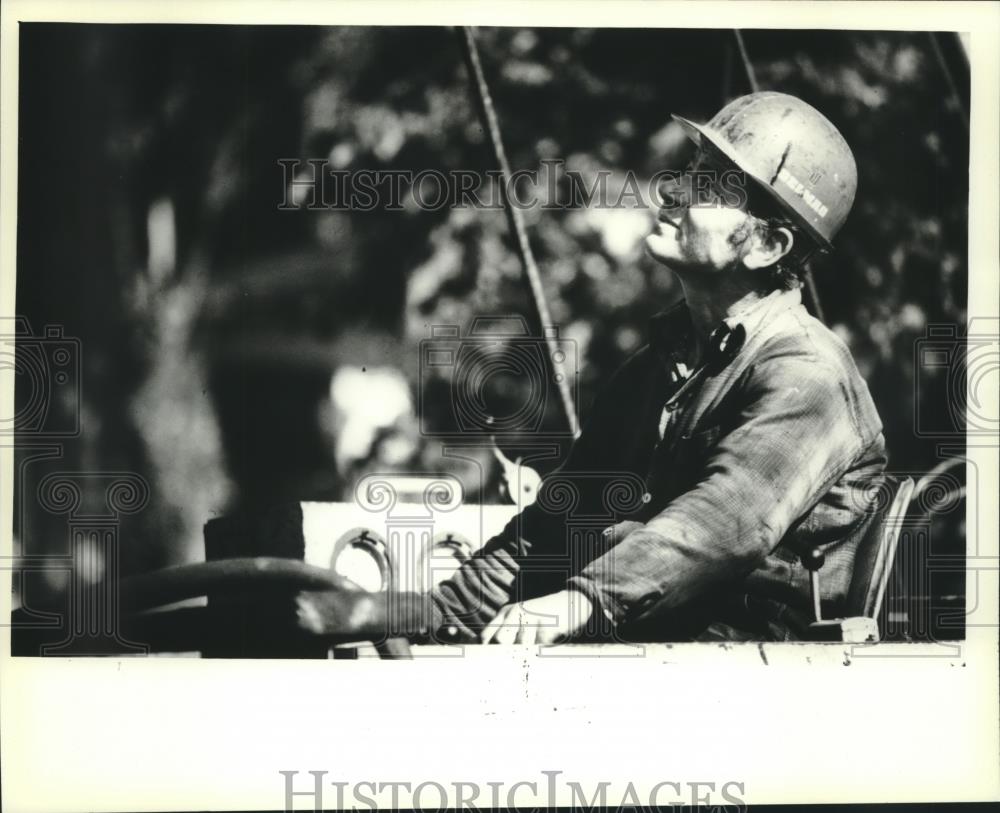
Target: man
747, 420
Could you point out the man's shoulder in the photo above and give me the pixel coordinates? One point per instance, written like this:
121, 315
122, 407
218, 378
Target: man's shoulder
799, 335
803, 346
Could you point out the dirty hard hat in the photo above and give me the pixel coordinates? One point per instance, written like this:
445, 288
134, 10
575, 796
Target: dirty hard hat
792, 151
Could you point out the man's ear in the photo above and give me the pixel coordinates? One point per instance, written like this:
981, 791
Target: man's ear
767, 248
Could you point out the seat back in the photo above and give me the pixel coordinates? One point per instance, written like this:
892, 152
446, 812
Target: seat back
876, 550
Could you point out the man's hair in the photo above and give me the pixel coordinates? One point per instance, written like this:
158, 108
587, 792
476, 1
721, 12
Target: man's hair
790, 271
766, 218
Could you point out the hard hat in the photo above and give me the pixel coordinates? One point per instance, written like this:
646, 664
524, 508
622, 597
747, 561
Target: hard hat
792, 151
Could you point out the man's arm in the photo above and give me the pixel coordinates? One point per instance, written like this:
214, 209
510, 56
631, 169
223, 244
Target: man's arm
474, 595
795, 435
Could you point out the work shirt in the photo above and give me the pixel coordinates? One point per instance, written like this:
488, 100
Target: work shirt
687, 500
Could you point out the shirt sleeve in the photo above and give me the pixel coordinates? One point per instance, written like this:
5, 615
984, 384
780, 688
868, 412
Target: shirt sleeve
475, 593
795, 434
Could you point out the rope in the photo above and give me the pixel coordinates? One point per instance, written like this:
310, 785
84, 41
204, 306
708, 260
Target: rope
814, 295
515, 221
956, 99
755, 87
747, 64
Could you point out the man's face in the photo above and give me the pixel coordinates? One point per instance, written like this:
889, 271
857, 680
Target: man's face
702, 222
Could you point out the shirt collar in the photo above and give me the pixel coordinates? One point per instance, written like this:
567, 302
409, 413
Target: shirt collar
671, 332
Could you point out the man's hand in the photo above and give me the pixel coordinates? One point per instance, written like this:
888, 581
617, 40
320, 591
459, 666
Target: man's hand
544, 620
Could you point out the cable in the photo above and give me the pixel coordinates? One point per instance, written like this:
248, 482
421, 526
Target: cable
515, 221
755, 87
949, 79
814, 295
747, 64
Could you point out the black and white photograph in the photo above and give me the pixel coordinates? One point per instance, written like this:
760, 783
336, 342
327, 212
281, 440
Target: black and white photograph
571, 364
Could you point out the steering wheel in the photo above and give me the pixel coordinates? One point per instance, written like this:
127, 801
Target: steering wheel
328, 608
